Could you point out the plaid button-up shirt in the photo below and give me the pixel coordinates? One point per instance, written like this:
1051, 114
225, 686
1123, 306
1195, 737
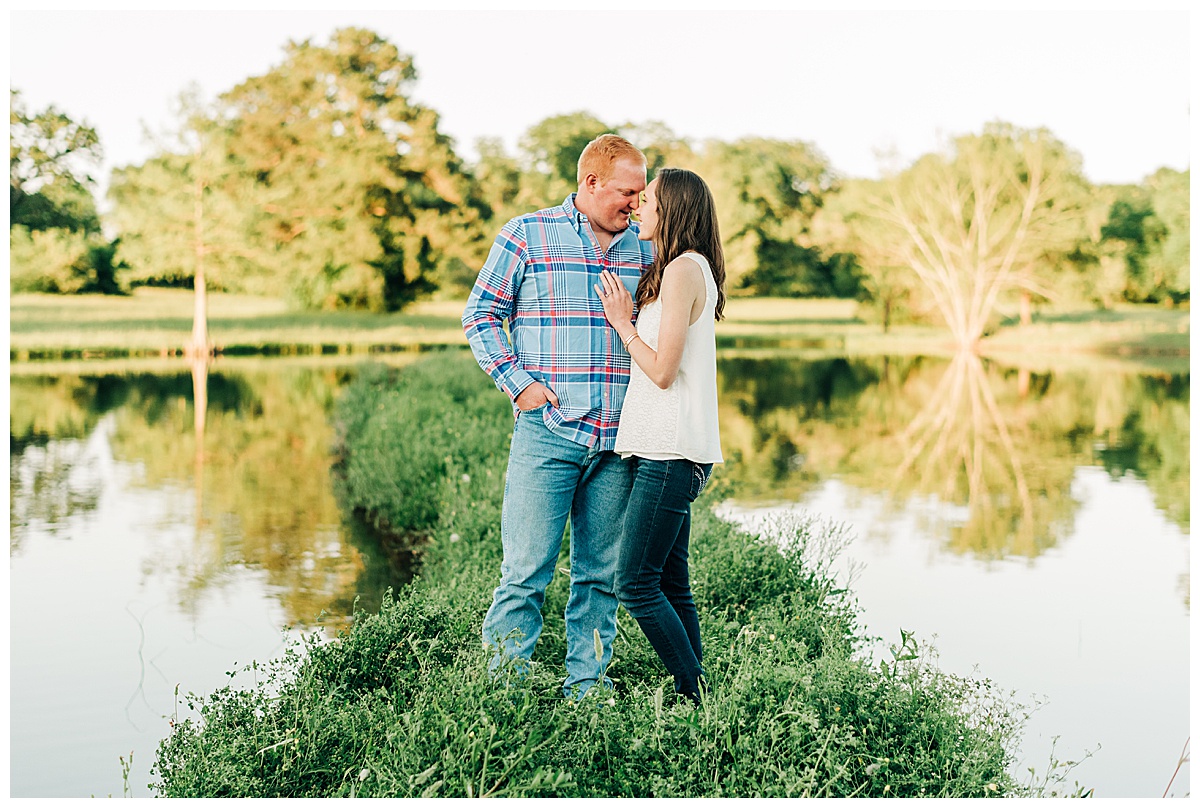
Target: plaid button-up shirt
538, 277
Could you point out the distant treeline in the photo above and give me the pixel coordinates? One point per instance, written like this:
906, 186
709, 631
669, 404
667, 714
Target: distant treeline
322, 181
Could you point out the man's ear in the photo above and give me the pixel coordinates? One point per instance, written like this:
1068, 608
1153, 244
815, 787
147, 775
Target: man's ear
591, 182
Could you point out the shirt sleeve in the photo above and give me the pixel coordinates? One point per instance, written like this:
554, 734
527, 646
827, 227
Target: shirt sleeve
493, 300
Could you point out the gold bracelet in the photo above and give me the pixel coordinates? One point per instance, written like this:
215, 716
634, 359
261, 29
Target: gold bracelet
632, 337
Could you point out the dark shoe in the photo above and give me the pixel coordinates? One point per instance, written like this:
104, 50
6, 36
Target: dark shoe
696, 692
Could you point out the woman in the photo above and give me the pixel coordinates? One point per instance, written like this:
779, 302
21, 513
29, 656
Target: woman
669, 418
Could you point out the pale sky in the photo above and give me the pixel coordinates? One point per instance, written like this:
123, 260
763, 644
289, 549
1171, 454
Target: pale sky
1114, 85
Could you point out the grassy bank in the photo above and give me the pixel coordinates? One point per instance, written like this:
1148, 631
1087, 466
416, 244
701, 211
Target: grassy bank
401, 705
159, 322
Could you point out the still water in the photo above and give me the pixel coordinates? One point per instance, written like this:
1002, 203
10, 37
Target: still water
1031, 523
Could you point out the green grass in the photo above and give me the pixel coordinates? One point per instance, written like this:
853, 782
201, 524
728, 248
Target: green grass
401, 705
1126, 330
159, 322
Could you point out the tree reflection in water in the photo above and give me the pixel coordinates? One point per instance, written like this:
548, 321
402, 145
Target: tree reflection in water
250, 451
50, 422
997, 447
960, 448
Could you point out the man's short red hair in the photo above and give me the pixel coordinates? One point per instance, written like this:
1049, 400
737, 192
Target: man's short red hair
602, 154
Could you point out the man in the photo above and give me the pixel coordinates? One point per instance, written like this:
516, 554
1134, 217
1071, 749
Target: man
566, 372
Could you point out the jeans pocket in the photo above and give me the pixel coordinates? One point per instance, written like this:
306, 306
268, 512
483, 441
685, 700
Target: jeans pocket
701, 474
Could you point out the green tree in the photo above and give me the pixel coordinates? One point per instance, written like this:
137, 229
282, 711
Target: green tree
318, 181
1170, 263
845, 229
50, 156
662, 147
549, 156
498, 179
55, 243
1092, 272
359, 201
1130, 234
1136, 243
987, 217
1147, 239
181, 217
181, 214
767, 193
58, 260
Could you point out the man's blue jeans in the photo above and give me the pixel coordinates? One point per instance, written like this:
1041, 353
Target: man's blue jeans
549, 479
652, 573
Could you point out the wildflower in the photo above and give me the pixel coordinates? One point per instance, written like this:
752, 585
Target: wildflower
992, 787
454, 537
466, 478
771, 636
611, 702
364, 774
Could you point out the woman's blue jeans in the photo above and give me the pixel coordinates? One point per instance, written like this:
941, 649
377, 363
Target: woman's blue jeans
549, 480
652, 568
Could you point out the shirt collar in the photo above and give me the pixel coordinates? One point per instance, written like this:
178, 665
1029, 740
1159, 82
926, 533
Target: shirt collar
573, 212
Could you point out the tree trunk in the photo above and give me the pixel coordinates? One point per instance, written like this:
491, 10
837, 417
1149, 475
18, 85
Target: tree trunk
1026, 308
200, 346
200, 411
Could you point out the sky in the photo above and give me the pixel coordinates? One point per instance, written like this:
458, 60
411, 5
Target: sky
1114, 85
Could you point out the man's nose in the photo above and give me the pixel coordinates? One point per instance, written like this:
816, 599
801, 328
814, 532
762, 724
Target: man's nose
637, 201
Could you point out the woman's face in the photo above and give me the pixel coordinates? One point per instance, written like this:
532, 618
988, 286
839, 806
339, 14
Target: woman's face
648, 212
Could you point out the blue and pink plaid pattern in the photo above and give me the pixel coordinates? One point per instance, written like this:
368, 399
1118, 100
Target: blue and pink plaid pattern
538, 277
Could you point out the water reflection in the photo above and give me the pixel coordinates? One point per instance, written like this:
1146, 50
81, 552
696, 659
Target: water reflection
1001, 444
252, 447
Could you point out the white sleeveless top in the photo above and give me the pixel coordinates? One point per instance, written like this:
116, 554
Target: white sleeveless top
681, 421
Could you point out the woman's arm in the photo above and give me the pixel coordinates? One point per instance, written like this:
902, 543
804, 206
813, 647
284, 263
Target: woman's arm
682, 286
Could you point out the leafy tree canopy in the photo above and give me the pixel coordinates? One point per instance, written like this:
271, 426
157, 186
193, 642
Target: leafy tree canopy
49, 158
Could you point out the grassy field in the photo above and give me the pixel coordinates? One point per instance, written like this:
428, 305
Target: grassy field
159, 321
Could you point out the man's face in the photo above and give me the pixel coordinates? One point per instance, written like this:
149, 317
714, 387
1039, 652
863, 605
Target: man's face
618, 197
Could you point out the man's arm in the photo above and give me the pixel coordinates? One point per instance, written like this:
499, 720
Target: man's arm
493, 300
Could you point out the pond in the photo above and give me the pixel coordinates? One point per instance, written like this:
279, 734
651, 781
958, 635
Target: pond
1031, 523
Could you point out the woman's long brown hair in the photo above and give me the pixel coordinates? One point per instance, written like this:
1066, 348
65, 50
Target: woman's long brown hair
687, 221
